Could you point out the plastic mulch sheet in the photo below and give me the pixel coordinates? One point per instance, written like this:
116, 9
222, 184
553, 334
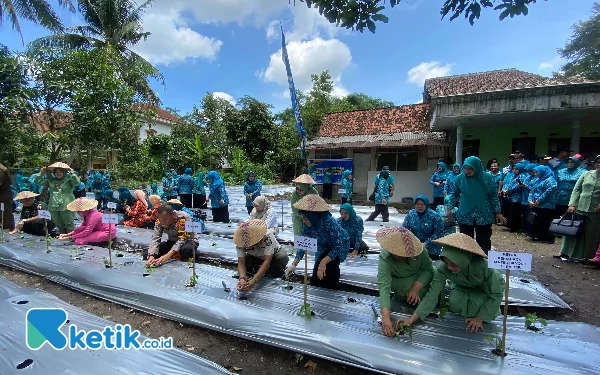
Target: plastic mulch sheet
343, 328
17, 358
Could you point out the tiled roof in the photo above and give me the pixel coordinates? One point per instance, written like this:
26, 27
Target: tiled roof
41, 120
408, 118
161, 114
404, 139
505, 79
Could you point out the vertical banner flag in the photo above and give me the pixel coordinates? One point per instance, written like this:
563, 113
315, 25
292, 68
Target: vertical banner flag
295, 104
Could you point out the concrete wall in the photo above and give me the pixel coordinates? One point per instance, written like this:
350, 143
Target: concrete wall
158, 126
497, 142
408, 184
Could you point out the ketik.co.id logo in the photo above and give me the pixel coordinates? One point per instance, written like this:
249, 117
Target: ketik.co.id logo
43, 326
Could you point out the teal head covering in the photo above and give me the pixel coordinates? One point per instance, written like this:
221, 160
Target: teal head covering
384, 174
188, 171
459, 168
248, 178
576, 161
154, 186
521, 167
544, 172
443, 165
346, 173
424, 199
530, 167
349, 209
474, 189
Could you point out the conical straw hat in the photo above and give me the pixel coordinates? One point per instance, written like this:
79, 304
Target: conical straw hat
174, 201
82, 204
25, 195
312, 202
461, 241
249, 233
305, 179
399, 241
60, 165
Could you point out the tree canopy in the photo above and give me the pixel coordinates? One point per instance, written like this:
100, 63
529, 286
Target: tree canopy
36, 11
363, 14
582, 51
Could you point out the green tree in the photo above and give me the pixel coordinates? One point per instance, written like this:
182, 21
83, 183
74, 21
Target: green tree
582, 51
252, 128
116, 23
36, 11
316, 103
362, 14
364, 101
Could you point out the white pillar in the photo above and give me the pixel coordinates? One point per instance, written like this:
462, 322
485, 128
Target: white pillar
459, 144
575, 135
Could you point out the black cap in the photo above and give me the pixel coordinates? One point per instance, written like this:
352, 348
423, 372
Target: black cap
519, 151
511, 156
539, 157
565, 149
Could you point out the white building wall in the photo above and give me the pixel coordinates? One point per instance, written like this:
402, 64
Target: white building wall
159, 127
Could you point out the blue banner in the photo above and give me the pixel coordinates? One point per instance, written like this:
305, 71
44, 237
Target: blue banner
317, 167
295, 104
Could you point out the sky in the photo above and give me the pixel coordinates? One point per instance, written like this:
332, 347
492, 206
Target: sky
233, 47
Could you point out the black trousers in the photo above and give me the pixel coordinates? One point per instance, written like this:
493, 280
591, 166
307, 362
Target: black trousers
380, 209
362, 248
332, 274
185, 251
327, 188
169, 197
221, 214
199, 201
525, 210
249, 209
513, 217
346, 200
437, 201
38, 227
79, 194
560, 211
278, 263
481, 233
539, 230
186, 199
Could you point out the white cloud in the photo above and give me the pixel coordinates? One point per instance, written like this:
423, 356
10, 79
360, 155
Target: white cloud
172, 41
420, 101
310, 57
224, 95
548, 66
425, 70
308, 24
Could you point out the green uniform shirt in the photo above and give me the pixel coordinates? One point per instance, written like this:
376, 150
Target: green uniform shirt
586, 194
61, 191
399, 276
476, 291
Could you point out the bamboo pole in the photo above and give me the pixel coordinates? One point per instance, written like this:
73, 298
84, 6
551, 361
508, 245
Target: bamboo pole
505, 312
305, 279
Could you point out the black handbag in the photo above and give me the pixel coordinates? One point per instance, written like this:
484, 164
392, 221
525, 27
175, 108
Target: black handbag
532, 217
569, 228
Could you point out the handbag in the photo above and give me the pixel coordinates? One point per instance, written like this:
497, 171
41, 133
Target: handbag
532, 217
569, 228
372, 196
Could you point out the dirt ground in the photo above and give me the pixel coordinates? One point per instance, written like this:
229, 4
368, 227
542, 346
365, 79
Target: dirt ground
576, 284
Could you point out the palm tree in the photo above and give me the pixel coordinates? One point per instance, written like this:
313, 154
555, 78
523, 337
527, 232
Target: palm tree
116, 24
37, 11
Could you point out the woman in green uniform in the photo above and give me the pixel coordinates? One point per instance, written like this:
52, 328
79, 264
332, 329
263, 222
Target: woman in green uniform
303, 188
60, 185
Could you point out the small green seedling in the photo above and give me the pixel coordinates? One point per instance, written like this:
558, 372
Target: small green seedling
499, 343
106, 262
531, 319
214, 244
444, 308
193, 281
151, 268
402, 329
305, 311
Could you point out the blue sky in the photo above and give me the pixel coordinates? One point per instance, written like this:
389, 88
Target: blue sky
232, 47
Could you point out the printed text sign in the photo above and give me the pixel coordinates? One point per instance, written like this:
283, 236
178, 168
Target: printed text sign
116, 195
342, 191
282, 203
502, 260
1, 206
110, 219
305, 243
44, 214
90, 195
111, 205
193, 227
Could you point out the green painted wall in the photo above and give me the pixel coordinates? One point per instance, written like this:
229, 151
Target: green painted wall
497, 142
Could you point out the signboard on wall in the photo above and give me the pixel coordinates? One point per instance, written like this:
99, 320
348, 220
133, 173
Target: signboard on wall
316, 168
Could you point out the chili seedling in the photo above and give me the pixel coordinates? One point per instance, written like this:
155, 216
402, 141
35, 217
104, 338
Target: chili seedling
214, 244
402, 329
531, 320
305, 311
444, 308
151, 268
193, 281
498, 340
106, 262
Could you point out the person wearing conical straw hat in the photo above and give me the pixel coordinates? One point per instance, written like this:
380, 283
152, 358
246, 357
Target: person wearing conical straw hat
30, 222
6, 197
258, 252
333, 242
92, 230
60, 185
303, 188
476, 292
404, 268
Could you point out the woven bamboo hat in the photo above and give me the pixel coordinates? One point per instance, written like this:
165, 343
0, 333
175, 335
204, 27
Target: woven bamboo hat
82, 204
25, 195
174, 201
399, 241
461, 241
312, 202
61, 166
249, 233
305, 179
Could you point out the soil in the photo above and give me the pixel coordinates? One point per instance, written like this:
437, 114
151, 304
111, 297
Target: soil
577, 284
